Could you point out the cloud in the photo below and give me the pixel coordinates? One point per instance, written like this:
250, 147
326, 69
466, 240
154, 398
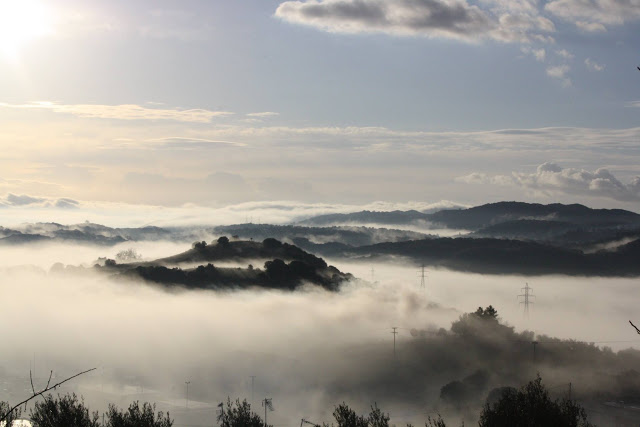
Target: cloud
186, 143
594, 15
560, 72
591, 27
552, 178
123, 112
593, 66
539, 54
24, 200
455, 19
565, 54
263, 114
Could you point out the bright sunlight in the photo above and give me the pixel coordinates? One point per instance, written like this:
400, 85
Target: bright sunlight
22, 21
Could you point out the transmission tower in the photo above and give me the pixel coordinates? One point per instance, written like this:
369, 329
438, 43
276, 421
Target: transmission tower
527, 297
423, 275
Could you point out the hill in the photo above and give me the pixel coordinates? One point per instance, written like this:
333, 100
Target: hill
301, 268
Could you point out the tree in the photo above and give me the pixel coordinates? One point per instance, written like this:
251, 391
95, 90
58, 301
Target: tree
347, 417
128, 255
531, 406
223, 241
65, 411
238, 414
11, 416
137, 417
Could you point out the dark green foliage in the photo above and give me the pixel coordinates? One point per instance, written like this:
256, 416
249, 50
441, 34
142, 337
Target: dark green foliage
10, 417
377, 418
199, 246
239, 414
435, 422
532, 407
223, 241
347, 417
137, 417
63, 411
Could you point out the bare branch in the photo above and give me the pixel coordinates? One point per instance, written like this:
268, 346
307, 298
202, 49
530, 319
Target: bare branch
49, 382
636, 328
31, 379
3, 417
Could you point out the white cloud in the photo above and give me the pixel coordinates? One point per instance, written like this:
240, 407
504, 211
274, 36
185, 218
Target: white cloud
565, 54
591, 27
123, 112
539, 54
552, 178
263, 114
593, 65
587, 14
560, 72
453, 19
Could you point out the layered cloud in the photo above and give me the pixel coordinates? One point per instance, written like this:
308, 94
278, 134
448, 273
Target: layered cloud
517, 21
595, 15
25, 200
123, 112
552, 178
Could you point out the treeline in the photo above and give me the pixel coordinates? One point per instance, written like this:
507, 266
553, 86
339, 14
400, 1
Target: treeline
529, 406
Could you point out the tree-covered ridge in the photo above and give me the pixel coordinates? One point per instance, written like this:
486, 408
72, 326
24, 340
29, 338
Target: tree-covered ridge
287, 267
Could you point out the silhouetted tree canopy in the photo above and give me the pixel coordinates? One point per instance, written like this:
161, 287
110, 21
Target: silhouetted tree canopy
137, 417
223, 241
239, 414
63, 411
530, 407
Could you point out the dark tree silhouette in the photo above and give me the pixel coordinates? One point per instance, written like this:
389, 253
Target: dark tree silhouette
137, 417
238, 414
531, 406
65, 411
223, 241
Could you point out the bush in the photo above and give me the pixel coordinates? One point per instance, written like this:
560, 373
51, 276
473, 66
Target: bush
137, 417
531, 406
65, 411
239, 414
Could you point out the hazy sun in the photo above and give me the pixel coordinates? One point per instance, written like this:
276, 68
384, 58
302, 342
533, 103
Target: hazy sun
20, 22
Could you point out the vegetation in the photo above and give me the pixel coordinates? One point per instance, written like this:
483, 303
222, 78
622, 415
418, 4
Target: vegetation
137, 417
238, 414
65, 411
532, 406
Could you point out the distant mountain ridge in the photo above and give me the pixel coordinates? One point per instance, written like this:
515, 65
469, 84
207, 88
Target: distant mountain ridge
486, 215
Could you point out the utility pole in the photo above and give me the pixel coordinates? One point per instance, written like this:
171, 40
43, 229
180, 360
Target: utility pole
253, 377
267, 403
527, 296
422, 276
535, 343
373, 275
187, 398
395, 332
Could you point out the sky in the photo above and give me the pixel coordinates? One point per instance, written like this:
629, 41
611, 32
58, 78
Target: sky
166, 104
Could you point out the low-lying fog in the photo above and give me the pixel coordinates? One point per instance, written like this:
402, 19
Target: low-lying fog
307, 350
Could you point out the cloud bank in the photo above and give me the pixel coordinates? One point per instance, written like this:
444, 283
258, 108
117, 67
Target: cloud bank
123, 112
459, 20
552, 178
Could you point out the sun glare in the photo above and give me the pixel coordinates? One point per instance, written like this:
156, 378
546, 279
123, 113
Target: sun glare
22, 21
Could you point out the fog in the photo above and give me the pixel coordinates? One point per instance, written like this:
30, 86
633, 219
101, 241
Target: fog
309, 350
